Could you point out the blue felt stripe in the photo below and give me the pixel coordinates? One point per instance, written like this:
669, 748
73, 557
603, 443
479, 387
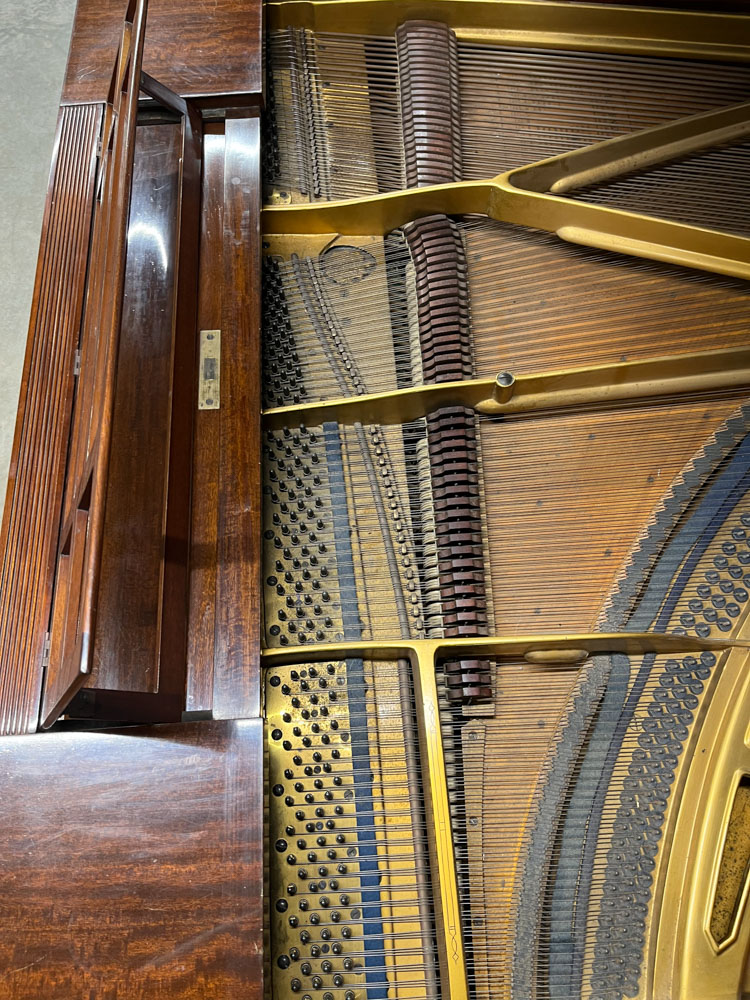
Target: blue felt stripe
369, 872
694, 530
718, 519
581, 825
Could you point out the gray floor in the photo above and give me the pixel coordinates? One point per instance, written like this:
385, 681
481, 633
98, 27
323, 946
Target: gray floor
34, 39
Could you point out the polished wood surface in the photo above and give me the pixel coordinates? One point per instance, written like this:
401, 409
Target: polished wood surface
137, 386
134, 857
203, 545
142, 611
210, 51
32, 508
126, 647
175, 604
132, 864
238, 581
224, 623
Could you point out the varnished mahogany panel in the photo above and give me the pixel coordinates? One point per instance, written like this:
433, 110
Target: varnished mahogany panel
126, 647
132, 864
142, 604
238, 610
225, 612
31, 516
195, 49
202, 614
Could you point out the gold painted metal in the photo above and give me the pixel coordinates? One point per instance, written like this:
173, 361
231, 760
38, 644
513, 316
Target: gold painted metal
561, 651
732, 884
499, 198
451, 959
440, 836
531, 196
685, 960
597, 385
623, 154
549, 651
554, 657
525, 23
209, 378
429, 650
276, 709
287, 712
545, 650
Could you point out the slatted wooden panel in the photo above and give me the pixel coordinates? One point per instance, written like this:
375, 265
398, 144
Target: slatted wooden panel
80, 548
34, 496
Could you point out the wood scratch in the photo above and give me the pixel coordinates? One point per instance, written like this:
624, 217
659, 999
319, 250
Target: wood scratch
23, 968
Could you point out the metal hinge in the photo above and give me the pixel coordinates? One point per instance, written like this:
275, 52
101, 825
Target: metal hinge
46, 650
77, 363
209, 385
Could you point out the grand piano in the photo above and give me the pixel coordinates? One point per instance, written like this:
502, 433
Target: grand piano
374, 570
147, 611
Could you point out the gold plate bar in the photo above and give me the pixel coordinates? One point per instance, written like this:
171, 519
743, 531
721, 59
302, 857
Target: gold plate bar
439, 830
623, 154
545, 651
525, 23
414, 650
529, 196
598, 385
499, 198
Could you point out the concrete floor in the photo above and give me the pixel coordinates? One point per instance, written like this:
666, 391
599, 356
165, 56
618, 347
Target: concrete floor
34, 39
